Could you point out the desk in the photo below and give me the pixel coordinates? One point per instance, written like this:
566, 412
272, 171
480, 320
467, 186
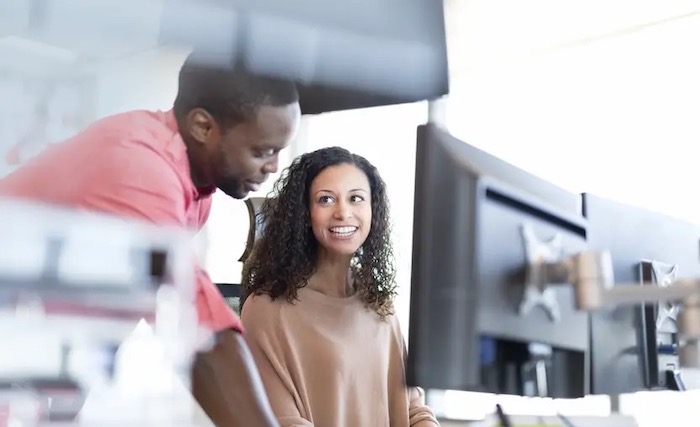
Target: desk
549, 421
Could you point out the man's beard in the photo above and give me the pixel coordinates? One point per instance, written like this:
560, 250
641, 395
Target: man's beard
233, 188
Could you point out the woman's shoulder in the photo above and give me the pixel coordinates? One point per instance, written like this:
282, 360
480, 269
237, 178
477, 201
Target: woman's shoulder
393, 321
394, 325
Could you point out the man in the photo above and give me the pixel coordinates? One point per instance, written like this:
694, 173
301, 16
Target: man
225, 131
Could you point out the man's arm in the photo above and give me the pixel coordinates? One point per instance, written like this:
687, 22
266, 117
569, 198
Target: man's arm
227, 385
225, 381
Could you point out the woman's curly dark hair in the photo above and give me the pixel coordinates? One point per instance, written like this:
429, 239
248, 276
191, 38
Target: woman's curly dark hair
284, 257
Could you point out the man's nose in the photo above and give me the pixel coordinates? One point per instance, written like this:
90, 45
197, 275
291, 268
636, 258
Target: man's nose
271, 166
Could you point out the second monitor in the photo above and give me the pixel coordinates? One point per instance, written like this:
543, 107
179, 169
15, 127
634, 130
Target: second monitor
634, 347
473, 324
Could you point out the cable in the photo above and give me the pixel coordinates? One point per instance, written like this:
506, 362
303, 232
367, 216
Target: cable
502, 417
567, 422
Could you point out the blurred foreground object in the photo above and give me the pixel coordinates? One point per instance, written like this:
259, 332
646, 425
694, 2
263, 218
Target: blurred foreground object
343, 54
86, 299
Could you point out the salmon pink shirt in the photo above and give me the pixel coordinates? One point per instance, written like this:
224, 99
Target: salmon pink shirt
133, 165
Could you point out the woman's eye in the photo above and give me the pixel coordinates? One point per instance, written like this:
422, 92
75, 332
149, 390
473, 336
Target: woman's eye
356, 199
324, 200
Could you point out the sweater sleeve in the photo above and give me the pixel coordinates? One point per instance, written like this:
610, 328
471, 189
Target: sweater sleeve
419, 414
261, 319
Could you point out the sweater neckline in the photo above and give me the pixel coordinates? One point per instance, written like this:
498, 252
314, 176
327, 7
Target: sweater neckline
313, 295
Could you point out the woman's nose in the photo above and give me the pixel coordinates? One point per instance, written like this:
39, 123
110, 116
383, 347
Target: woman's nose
343, 211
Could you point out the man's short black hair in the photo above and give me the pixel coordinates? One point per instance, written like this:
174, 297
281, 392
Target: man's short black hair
231, 94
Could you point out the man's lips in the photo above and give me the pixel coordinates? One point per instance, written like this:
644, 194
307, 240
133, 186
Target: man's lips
253, 186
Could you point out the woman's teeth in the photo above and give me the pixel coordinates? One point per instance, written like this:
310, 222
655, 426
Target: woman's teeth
343, 231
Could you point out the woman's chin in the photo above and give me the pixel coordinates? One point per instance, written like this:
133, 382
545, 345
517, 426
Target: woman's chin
339, 251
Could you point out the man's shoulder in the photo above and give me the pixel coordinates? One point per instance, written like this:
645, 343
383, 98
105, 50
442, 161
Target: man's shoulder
146, 136
142, 125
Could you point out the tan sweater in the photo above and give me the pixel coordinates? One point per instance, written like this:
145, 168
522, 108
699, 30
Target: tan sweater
330, 362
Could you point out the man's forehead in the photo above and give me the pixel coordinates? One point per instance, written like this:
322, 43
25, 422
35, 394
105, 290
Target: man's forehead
279, 115
274, 123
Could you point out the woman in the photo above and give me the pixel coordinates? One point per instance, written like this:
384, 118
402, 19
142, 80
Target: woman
319, 318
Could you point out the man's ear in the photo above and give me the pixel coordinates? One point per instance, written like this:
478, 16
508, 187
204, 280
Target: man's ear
201, 125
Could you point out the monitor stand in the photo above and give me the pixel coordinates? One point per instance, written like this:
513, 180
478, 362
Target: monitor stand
614, 403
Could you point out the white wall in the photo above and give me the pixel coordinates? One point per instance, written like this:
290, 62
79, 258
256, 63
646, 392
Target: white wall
615, 113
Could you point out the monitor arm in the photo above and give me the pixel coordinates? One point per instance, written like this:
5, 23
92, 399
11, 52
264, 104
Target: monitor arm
591, 275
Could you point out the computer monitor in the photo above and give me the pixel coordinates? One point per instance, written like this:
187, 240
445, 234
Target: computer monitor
469, 255
634, 347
